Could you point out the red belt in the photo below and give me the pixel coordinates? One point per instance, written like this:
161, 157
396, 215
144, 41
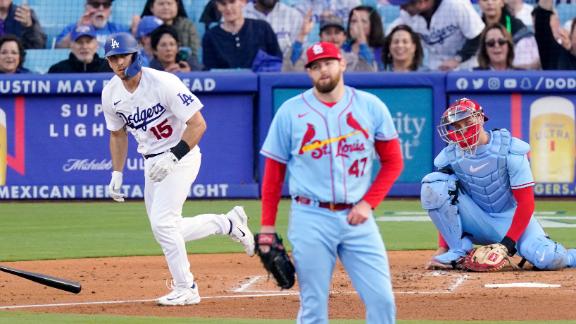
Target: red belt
328, 205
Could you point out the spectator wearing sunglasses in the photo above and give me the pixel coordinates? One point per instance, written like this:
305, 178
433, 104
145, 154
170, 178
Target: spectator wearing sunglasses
495, 11
96, 14
496, 49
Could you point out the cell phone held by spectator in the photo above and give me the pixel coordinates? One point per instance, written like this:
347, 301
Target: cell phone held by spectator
183, 54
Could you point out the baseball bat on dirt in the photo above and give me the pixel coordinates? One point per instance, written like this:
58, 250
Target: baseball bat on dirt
58, 283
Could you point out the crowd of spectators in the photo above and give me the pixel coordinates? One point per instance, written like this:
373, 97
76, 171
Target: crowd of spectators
272, 35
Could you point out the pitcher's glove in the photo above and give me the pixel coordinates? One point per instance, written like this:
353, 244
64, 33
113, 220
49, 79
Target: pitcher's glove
488, 258
275, 259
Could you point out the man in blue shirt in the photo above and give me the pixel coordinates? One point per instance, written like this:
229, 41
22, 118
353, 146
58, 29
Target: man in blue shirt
97, 14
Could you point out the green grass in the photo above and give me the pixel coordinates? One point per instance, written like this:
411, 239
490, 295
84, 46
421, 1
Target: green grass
32, 231
58, 230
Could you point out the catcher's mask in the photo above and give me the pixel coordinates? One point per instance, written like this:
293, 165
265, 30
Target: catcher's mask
124, 43
454, 129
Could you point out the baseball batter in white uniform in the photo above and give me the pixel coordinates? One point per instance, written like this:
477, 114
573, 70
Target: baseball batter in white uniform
165, 119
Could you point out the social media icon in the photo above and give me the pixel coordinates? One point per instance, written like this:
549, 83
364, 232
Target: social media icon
510, 83
478, 83
462, 84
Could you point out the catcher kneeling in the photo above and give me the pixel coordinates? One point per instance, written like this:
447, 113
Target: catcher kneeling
483, 194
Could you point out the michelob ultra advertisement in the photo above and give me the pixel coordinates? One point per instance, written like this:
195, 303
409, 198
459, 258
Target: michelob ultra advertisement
552, 140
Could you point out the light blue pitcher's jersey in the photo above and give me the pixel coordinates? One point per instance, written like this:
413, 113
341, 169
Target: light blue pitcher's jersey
489, 175
329, 150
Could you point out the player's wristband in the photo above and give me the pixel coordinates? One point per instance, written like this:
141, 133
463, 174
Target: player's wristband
180, 149
509, 244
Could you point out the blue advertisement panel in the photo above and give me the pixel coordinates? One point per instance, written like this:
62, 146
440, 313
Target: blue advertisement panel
538, 109
56, 141
411, 101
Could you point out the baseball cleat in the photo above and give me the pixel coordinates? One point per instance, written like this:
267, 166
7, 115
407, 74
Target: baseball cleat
181, 296
453, 259
239, 230
437, 265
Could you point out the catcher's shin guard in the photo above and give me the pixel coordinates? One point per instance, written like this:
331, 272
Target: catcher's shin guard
438, 197
546, 254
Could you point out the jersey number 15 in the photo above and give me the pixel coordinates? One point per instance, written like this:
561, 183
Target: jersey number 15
162, 130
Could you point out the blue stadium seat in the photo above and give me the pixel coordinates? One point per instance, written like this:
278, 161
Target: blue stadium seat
477, 7
123, 10
388, 13
40, 60
566, 12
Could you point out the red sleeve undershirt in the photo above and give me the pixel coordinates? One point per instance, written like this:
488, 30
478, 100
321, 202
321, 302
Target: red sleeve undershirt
525, 200
391, 165
274, 173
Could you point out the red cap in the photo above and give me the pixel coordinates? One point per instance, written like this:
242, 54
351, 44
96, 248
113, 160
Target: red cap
322, 50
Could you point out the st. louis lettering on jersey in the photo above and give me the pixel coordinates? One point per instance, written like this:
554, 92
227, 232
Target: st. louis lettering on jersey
141, 118
320, 148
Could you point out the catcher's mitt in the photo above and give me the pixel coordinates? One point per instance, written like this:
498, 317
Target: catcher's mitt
488, 258
275, 259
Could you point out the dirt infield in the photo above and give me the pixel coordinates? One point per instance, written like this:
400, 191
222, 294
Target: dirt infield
235, 286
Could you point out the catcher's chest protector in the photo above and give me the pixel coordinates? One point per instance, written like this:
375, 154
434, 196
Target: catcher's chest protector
484, 176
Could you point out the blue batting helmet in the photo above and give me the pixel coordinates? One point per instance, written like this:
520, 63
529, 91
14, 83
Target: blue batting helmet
124, 43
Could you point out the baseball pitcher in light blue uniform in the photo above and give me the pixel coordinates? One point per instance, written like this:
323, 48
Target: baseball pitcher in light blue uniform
483, 194
327, 138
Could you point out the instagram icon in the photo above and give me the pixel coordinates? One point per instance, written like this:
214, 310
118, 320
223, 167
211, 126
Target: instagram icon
552, 139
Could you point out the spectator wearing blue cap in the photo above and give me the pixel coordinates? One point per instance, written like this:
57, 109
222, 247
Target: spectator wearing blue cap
332, 30
83, 57
145, 28
96, 14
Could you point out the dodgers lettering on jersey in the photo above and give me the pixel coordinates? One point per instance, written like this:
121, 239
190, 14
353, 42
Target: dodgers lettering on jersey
156, 113
329, 151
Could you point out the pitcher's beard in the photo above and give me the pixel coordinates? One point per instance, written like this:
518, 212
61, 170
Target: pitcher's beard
327, 87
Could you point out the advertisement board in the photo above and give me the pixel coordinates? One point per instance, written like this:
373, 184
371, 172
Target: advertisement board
54, 141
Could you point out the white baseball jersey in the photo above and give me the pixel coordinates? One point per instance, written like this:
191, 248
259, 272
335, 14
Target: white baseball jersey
156, 113
451, 25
